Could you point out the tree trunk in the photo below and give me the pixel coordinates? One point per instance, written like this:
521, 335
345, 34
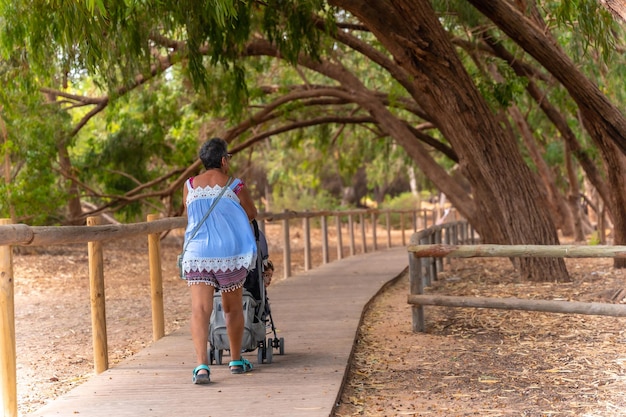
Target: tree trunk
604, 122
353, 90
65, 165
504, 191
73, 204
562, 214
574, 197
560, 122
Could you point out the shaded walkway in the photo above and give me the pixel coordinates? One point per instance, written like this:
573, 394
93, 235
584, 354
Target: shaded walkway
317, 312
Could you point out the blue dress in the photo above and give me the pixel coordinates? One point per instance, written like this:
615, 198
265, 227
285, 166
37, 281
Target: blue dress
225, 240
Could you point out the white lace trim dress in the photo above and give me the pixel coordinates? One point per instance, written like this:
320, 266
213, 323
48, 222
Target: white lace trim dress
225, 240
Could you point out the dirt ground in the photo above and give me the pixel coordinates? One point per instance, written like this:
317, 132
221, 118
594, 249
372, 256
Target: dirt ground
469, 362
481, 362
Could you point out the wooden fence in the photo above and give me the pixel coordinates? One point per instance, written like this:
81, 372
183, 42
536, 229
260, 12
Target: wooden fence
425, 259
95, 233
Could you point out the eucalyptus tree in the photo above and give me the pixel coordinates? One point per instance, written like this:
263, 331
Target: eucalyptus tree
125, 43
412, 33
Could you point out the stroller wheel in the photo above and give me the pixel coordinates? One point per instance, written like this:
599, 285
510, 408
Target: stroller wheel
210, 355
269, 351
217, 354
259, 355
281, 346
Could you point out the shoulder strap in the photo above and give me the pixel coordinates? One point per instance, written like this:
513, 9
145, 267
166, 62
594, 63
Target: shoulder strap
206, 215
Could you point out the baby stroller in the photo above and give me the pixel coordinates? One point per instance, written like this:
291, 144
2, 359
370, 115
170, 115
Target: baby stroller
258, 320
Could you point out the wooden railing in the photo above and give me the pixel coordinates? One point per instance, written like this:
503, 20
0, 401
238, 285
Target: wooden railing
425, 260
95, 233
423, 270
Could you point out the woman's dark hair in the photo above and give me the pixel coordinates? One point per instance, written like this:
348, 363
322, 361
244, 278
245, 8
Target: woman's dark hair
212, 152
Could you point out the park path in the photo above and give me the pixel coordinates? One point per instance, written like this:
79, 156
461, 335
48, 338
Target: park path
317, 312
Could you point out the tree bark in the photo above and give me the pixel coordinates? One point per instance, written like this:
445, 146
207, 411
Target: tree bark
560, 122
604, 122
353, 90
505, 194
574, 196
562, 214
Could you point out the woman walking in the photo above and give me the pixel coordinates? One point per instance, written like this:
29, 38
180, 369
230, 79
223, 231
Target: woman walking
219, 251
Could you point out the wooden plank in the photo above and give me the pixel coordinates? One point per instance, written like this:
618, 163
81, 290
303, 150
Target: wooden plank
156, 283
548, 306
8, 366
97, 298
540, 251
318, 314
58, 235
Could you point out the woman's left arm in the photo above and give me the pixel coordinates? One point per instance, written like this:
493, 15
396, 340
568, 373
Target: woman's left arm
246, 202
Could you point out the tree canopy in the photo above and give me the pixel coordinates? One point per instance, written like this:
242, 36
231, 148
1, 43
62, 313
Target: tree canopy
510, 110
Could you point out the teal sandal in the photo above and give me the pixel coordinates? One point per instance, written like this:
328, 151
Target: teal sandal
240, 367
201, 378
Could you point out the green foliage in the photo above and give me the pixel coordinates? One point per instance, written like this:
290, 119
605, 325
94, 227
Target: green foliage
594, 239
112, 40
592, 27
387, 162
554, 154
35, 192
500, 94
302, 200
142, 140
404, 201
458, 13
155, 129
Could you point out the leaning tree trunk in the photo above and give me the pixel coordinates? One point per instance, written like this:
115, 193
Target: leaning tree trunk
617, 201
74, 205
560, 122
489, 157
574, 196
604, 121
561, 211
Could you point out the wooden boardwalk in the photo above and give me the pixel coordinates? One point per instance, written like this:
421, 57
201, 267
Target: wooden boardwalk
317, 313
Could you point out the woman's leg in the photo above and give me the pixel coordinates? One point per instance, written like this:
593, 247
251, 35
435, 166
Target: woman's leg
201, 308
232, 304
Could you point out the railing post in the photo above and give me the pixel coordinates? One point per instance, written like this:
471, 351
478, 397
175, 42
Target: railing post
438, 261
388, 220
426, 264
339, 238
98, 311
351, 234
363, 236
306, 227
463, 234
286, 248
156, 282
8, 367
374, 231
447, 239
324, 240
402, 228
417, 287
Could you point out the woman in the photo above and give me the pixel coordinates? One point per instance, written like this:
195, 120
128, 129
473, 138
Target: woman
219, 255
